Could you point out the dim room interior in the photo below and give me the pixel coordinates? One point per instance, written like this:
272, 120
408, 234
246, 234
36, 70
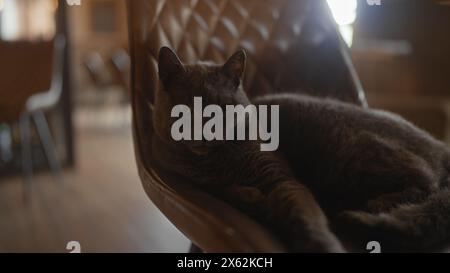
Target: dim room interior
70, 164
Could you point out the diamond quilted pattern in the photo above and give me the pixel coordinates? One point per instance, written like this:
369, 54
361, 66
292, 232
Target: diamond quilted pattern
292, 45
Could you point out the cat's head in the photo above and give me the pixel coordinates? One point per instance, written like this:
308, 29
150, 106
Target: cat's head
179, 83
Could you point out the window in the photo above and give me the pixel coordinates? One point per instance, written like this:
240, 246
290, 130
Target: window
344, 13
27, 19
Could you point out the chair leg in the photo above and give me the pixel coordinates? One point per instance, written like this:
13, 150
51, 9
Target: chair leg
27, 161
195, 249
5, 143
47, 143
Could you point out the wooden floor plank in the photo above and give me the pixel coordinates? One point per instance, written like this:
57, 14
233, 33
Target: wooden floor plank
101, 204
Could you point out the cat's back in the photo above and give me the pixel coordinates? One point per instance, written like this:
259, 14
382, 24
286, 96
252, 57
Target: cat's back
317, 131
326, 118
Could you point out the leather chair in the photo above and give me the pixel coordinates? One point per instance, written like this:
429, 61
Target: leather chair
291, 44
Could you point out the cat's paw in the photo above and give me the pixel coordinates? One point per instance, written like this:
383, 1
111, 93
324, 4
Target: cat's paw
316, 240
325, 242
360, 225
329, 243
391, 201
359, 218
380, 205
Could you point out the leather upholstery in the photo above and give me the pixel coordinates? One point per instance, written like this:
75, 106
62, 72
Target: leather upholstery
291, 44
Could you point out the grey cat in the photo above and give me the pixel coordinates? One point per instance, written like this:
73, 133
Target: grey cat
359, 173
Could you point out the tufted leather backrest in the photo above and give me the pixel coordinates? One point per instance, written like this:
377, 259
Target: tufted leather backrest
292, 45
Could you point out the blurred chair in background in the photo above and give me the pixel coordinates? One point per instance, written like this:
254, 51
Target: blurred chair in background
99, 76
120, 60
120, 66
35, 108
104, 101
97, 70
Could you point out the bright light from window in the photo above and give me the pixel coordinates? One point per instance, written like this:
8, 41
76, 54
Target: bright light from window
344, 13
39, 23
10, 25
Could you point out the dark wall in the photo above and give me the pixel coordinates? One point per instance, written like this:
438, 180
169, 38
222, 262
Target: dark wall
402, 54
25, 68
426, 26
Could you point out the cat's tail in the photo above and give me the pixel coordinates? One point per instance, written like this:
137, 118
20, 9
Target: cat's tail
409, 227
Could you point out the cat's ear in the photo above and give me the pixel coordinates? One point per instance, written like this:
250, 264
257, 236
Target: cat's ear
235, 66
168, 64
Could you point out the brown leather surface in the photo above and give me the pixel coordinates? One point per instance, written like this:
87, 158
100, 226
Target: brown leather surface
25, 69
291, 44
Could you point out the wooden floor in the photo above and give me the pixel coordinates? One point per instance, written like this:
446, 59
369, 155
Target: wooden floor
102, 205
